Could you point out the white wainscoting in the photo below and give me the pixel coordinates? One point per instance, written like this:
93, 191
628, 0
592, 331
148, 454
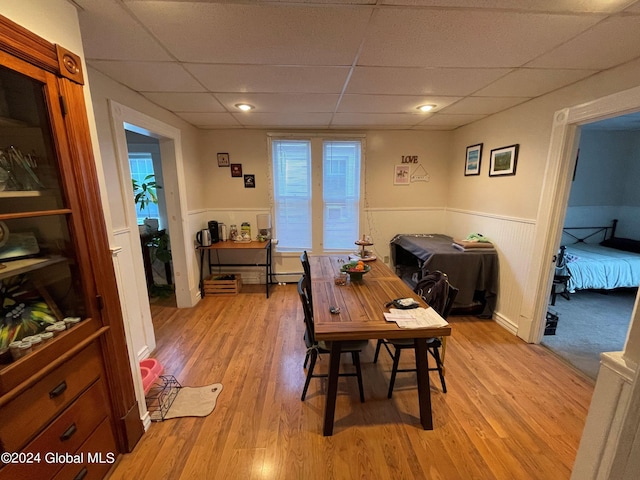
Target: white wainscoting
199, 219
513, 239
512, 236
382, 224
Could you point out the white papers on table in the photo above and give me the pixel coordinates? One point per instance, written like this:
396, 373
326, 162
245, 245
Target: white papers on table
415, 318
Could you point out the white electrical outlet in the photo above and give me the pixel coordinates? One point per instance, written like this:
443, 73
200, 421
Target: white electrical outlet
386, 259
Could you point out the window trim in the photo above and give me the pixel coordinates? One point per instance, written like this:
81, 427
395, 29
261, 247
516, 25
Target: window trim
317, 245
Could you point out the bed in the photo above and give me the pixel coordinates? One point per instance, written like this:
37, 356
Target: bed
612, 263
474, 273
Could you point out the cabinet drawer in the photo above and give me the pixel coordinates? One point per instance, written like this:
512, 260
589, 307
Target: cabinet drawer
98, 455
29, 412
66, 434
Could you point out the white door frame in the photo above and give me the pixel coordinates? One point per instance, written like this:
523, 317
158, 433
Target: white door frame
174, 189
561, 162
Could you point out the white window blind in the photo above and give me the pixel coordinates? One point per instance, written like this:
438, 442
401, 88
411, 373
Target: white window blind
316, 185
341, 194
292, 194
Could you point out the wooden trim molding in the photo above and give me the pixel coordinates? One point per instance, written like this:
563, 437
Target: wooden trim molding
77, 165
27, 46
70, 65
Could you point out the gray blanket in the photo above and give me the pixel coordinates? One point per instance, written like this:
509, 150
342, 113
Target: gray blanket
469, 271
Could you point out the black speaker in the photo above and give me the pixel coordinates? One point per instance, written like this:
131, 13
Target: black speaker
213, 228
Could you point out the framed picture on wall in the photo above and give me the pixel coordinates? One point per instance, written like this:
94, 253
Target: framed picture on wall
223, 159
250, 181
473, 159
503, 161
402, 175
236, 170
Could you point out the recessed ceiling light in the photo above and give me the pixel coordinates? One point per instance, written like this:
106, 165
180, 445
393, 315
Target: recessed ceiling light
426, 108
245, 107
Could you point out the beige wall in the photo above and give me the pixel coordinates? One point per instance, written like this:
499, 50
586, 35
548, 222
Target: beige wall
384, 149
388, 209
104, 89
529, 125
519, 196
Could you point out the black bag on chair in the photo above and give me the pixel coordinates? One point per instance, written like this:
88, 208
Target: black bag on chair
433, 287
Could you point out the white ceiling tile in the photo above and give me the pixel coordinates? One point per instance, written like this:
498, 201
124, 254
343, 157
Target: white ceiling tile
256, 33
149, 76
422, 81
352, 63
204, 120
434, 127
269, 78
281, 102
470, 38
390, 103
483, 105
532, 82
185, 102
519, 5
322, 2
609, 43
451, 120
100, 19
367, 119
285, 120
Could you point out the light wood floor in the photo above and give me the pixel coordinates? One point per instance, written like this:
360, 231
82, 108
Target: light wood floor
512, 411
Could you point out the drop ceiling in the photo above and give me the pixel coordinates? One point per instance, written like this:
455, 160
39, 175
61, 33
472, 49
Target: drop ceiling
353, 64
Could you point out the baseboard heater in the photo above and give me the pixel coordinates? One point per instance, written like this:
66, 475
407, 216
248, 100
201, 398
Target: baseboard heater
297, 276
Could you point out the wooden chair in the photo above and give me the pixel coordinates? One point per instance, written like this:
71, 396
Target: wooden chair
306, 266
561, 277
433, 347
315, 349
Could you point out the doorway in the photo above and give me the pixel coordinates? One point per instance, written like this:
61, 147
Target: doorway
170, 145
603, 188
145, 164
567, 127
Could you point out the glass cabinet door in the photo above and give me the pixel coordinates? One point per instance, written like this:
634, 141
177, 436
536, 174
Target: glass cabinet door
40, 278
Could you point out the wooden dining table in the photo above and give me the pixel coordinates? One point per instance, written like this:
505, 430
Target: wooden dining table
362, 305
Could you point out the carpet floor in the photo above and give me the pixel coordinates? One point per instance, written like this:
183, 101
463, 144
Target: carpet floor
590, 323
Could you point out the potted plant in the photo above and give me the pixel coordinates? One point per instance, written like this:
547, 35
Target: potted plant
144, 194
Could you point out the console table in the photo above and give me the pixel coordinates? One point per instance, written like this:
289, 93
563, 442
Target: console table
231, 245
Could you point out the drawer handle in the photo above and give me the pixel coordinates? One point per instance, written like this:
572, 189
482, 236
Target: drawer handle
59, 390
68, 433
82, 474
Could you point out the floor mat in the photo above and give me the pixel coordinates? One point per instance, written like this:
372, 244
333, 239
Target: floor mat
194, 401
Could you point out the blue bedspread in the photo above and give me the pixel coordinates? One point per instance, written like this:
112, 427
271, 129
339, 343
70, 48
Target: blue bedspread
597, 267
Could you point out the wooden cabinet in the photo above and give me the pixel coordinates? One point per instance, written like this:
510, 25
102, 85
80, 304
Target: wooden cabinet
65, 378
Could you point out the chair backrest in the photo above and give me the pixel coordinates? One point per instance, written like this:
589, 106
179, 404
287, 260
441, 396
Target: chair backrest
562, 269
435, 289
304, 259
303, 285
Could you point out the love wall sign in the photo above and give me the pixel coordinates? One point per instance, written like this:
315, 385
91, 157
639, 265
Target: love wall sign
419, 173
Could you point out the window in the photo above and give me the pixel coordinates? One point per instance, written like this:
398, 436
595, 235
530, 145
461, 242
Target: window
341, 194
141, 165
316, 186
